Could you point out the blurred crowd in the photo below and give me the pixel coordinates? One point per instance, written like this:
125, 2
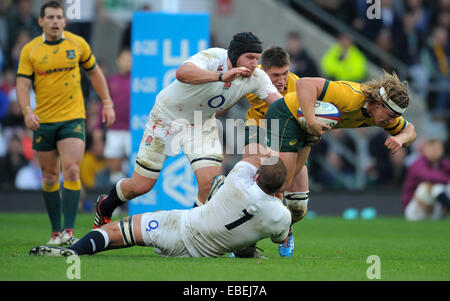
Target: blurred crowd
413, 31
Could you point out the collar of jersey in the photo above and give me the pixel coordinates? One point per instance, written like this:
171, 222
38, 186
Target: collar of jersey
53, 42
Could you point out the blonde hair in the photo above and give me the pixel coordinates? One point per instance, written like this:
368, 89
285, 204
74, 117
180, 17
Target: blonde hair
395, 89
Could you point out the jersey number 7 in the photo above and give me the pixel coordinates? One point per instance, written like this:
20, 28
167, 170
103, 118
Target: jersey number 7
239, 221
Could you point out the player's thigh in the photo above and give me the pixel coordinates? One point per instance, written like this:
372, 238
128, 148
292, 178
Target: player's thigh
71, 151
71, 142
284, 133
161, 229
202, 146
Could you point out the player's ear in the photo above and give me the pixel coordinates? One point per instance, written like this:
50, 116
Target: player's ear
257, 177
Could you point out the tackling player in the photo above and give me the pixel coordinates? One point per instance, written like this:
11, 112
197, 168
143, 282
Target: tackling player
208, 82
380, 102
243, 211
51, 63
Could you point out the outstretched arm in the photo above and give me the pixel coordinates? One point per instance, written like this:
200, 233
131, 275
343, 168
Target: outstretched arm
189, 73
405, 138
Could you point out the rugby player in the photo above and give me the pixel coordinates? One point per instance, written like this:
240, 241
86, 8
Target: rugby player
243, 211
380, 102
51, 64
210, 81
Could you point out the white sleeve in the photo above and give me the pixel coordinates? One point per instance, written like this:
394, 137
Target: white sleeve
283, 230
208, 59
264, 85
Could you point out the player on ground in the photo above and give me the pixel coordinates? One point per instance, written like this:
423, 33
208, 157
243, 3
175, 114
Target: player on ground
243, 211
380, 102
210, 81
51, 64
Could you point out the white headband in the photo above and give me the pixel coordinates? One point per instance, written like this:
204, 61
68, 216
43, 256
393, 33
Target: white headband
390, 104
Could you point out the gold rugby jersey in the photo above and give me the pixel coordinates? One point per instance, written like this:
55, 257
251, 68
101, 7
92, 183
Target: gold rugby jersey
258, 107
347, 97
54, 68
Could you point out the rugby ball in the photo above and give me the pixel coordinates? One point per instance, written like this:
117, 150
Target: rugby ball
326, 112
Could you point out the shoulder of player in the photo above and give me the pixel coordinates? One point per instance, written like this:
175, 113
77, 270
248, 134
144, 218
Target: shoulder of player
39, 40
214, 53
73, 38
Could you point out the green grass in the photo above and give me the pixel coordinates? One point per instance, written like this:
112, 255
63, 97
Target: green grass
327, 248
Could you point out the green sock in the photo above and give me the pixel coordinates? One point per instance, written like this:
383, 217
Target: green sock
53, 204
70, 200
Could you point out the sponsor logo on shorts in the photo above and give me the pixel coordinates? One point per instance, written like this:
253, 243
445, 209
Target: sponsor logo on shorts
293, 142
77, 129
152, 225
38, 139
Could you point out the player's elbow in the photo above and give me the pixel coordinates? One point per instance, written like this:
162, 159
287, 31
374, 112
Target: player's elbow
182, 74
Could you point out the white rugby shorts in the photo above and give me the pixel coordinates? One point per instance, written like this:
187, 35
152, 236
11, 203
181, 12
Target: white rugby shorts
161, 230
163, 137
117, 144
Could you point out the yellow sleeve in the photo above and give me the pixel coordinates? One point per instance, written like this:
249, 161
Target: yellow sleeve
251, 96
346, 96
397, 126
87, 58
25, 68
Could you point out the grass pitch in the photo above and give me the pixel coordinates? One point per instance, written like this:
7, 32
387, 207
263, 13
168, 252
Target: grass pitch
326, 248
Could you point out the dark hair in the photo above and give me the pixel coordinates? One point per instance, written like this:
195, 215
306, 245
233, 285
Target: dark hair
52, 4
274, 57
272, 177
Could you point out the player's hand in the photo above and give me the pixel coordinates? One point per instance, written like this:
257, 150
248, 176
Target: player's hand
317, 128
108, 116
32, 121
234, 73
393, 144
312, 140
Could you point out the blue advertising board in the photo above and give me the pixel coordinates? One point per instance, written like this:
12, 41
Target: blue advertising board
161, 42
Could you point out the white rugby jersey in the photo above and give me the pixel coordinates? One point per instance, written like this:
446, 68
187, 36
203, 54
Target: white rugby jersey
180, 100
239, 214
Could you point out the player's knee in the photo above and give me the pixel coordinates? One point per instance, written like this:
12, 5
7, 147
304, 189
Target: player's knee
71, 172
297, 203
50, 176
214, 160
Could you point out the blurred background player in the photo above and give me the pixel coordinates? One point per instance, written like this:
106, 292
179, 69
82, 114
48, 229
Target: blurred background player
210, 81
426, 191
243, 211
50, 63
117, 138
